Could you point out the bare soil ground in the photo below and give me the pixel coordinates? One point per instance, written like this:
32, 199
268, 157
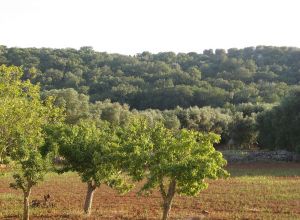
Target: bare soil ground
254, 191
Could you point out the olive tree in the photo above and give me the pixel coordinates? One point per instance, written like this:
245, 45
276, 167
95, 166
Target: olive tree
89, 148
243, 130
174, 161
279, 126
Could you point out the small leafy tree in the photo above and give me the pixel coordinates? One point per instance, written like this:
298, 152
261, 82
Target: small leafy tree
173, 161
23, 115
31, 170
90, 150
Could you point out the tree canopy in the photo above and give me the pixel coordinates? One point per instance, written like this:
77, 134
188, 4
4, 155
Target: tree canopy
90, 149
279, 127
174, 161
23, 117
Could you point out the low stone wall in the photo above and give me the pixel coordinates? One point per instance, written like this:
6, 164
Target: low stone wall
248, 156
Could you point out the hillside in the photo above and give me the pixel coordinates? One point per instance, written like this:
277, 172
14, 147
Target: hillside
164, 80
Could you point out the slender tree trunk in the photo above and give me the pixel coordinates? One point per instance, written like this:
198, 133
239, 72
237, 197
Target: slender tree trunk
89, 198
166, 211
168, 198
26, 204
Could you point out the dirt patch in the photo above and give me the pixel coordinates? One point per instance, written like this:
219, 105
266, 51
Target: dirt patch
233, 198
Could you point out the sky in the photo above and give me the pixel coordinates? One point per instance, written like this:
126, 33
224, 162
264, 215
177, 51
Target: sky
134, 26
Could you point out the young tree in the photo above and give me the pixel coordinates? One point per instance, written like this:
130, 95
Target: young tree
173, 161
23, 115
90, 150
31, 170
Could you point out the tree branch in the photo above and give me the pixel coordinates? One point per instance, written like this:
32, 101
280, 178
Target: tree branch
162, 190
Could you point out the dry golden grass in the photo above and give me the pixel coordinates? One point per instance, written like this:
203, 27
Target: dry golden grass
254, 191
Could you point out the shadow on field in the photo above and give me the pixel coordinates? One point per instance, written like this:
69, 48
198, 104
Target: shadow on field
276, 169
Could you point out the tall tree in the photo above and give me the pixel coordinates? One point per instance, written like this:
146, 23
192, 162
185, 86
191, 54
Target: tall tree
172, 161
89, 149
23, 115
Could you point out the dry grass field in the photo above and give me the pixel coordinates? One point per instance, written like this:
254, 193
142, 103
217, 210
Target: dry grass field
254, 191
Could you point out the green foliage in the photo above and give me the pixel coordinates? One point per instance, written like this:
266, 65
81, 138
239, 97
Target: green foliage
114, 113
205, 119
171, 160
76, 105
159, 154
250, 79
23, 117
163, 80
243, 131
171, 121
22, 113
30, 170
279, 127
89, 148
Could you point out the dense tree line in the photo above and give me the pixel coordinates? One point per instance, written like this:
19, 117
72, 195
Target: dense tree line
279, 127
235, 123
164, 80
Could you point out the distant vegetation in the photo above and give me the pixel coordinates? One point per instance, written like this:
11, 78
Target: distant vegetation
164, 80
219, 91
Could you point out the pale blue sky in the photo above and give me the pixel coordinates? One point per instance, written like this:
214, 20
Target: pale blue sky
133, 26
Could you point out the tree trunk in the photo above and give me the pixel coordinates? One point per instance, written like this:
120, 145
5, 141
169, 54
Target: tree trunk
26, 204
89, 198
168, 198
166, 211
